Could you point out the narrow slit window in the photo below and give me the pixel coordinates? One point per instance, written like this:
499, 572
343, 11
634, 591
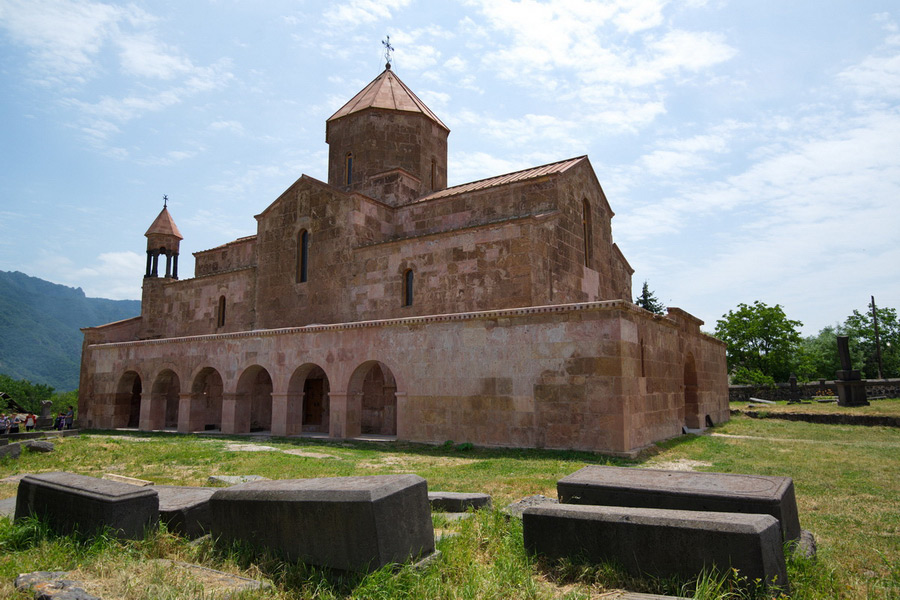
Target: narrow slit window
588, 231
302, 256
220, 313
348, 169
433, 174
408, 288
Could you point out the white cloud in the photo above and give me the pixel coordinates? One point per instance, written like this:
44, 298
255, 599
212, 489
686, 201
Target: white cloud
145, 56
355, 13
64, 37
232, 126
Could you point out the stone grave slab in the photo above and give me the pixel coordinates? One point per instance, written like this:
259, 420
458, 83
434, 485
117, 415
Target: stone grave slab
342, 523
457, 502
658, 542
515, 509
185, 510
69, 502
13, 450
7, 507
682, 490
234, 479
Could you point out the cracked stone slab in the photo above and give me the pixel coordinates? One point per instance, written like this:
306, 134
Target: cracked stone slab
307, 454
235, 479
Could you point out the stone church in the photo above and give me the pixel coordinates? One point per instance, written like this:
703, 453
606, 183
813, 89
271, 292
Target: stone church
383, 302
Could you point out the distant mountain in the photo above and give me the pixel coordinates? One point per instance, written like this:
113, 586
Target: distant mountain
40, 337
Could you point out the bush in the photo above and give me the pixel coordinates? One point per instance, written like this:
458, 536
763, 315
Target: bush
745, 376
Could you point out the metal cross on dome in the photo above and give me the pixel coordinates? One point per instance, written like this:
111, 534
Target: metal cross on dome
165, 201
388, 49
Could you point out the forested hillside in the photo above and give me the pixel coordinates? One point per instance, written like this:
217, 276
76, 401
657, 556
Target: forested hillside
40, 337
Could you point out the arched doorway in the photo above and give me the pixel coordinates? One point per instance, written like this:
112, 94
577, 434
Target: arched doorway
308, 405
255, 389
206, 401
127, 409
374, 383
164, 399
691, 397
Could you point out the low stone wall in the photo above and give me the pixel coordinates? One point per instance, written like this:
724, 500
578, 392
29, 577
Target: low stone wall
782, 391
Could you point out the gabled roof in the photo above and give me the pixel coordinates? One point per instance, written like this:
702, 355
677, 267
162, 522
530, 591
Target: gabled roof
514, 177
387, 92
164, 225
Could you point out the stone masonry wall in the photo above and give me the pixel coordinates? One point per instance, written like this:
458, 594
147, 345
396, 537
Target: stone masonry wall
238, 254
782, 391
172, 308
554, 377
384, 140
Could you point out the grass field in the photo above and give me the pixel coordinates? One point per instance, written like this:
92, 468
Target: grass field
847, 481
887, 407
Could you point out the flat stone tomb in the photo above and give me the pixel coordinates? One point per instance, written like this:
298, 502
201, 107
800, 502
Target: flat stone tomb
342, 523
87, 504
458, 501
663, 543
185, 510
683, 490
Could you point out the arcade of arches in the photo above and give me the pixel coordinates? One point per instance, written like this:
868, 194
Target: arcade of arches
254, 405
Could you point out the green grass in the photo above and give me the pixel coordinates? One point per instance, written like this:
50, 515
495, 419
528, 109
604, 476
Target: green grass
889, 407
847, 482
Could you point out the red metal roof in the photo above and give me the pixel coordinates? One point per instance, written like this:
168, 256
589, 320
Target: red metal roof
164, 224
515, 177
388, 92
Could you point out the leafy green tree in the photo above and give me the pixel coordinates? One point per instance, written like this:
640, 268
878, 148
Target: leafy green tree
818, 357
861, 331
648, 301
760, 338
24, 393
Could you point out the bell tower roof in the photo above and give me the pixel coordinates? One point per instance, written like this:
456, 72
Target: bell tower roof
387, 92
164, 225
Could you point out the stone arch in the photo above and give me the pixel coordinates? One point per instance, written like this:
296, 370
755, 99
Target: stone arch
206, 401
691, 394
127, 406
164, 400
373, 384
254, 391
308, 400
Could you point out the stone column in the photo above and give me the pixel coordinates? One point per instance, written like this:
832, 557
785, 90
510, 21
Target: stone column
345, 412
235, 413
280, 414
153, 411
189, 413
402, 432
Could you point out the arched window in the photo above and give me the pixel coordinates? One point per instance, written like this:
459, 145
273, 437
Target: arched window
408, 288
348, 169
302, 255
220, 314
588, 231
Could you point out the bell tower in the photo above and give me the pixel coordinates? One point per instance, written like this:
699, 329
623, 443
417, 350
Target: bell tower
385, 143
163, 239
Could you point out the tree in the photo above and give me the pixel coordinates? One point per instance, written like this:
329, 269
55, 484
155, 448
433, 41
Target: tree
861, 331
24, 393
818, 357
760, 338
648, 301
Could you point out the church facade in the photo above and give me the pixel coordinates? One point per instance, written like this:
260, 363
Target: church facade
382, 302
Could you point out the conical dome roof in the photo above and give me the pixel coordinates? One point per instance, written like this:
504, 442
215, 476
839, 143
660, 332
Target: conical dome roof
386, 92
164, 225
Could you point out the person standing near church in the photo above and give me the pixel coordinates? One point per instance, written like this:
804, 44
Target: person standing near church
30, 420
70, 417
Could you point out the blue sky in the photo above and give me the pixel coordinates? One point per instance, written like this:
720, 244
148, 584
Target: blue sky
750, 150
